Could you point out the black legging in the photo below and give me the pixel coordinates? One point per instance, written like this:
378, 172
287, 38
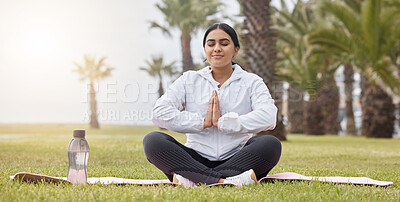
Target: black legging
261, 153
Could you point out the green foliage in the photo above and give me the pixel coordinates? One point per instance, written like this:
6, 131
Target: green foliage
368, 35
300, 64
187, 15
116, 150
156, 67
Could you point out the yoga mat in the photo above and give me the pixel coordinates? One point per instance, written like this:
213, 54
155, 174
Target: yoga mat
31, 177
339, 180
35, 178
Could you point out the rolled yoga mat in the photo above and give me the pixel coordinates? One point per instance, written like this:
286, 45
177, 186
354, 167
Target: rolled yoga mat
288, 176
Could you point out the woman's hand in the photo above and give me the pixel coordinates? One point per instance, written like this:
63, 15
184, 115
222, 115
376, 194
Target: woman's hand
213, 112
209, 115
216, 113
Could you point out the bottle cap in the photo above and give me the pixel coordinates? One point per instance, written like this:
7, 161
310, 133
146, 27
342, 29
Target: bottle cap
79, 133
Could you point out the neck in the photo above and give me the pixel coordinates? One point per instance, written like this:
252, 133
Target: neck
222, 74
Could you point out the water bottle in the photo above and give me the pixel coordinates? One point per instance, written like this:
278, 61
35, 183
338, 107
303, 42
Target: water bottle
78, 154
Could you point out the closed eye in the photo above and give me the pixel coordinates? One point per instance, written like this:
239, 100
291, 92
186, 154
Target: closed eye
211, 44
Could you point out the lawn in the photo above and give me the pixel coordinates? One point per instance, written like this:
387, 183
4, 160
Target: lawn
117, 151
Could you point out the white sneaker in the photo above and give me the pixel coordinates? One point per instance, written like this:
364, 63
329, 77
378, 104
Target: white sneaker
183, 181
246, 178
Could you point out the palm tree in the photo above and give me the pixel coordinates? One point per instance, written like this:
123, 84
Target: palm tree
306, 69
93, 70
295, 109
309, 73
156, 68
368, 37
260, 42
348, 90
187, 16
295, 101
329, 98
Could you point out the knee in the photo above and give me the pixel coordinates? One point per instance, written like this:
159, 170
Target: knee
151, 137
154, 140
272, 141
271, 144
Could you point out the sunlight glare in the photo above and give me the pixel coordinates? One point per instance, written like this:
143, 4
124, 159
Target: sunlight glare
40, 44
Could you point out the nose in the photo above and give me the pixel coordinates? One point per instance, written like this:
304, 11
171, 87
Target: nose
217, 48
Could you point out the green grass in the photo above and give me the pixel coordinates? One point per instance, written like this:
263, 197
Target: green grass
117, 151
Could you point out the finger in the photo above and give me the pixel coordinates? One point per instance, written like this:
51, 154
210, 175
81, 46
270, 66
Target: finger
216, 98
216, 103
210, 106
211, 103
216, 112
208, 118
211, 99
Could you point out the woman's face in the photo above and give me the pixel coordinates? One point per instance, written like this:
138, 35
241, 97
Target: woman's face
220, 49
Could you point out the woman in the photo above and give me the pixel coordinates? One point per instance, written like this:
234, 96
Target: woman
219, 108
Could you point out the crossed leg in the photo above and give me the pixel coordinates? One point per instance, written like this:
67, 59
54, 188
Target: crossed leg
260, 153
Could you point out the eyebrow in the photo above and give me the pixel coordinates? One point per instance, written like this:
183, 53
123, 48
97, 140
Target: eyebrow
224, 39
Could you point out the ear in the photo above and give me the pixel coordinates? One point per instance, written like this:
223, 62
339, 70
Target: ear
236, 51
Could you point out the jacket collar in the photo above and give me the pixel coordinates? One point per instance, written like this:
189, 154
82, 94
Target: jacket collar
237, 72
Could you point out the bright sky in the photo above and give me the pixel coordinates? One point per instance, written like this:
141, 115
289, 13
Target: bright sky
40, 41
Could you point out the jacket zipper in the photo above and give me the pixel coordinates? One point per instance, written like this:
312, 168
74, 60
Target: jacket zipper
216, 132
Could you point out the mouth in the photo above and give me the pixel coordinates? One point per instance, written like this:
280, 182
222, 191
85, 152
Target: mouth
217, 56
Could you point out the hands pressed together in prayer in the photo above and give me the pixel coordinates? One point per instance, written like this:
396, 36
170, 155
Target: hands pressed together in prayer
213, 112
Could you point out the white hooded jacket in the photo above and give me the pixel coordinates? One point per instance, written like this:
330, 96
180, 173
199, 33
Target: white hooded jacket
245, 103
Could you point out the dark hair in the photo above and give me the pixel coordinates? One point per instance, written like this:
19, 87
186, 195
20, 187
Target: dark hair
228, 29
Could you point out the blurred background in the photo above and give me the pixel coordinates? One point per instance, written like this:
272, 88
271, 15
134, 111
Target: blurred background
107, 62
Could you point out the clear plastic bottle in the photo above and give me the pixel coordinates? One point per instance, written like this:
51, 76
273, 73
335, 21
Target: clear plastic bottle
78, 154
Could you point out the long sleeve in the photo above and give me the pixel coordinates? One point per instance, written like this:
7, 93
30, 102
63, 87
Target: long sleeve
169, 112
262, 117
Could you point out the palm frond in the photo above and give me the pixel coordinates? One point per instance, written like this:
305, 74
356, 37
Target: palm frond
92, 70
163, 29
331, 39
294, 22
345, 15
355, 5
286, 36
370, 14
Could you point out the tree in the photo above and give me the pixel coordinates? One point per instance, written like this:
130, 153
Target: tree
367, 37
260, 51
309, 73
187, 16
295, 109
93, 70
329, 99
348, 90
295, 101
307, 69
156, 68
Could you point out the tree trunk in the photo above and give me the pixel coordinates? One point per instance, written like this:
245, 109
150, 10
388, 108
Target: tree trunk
377, 113
398, 119
348, 90
364, 85
93, 108
329, 99
187, 61
160, 89
398, 104
313, 124
295, 110
260, 53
